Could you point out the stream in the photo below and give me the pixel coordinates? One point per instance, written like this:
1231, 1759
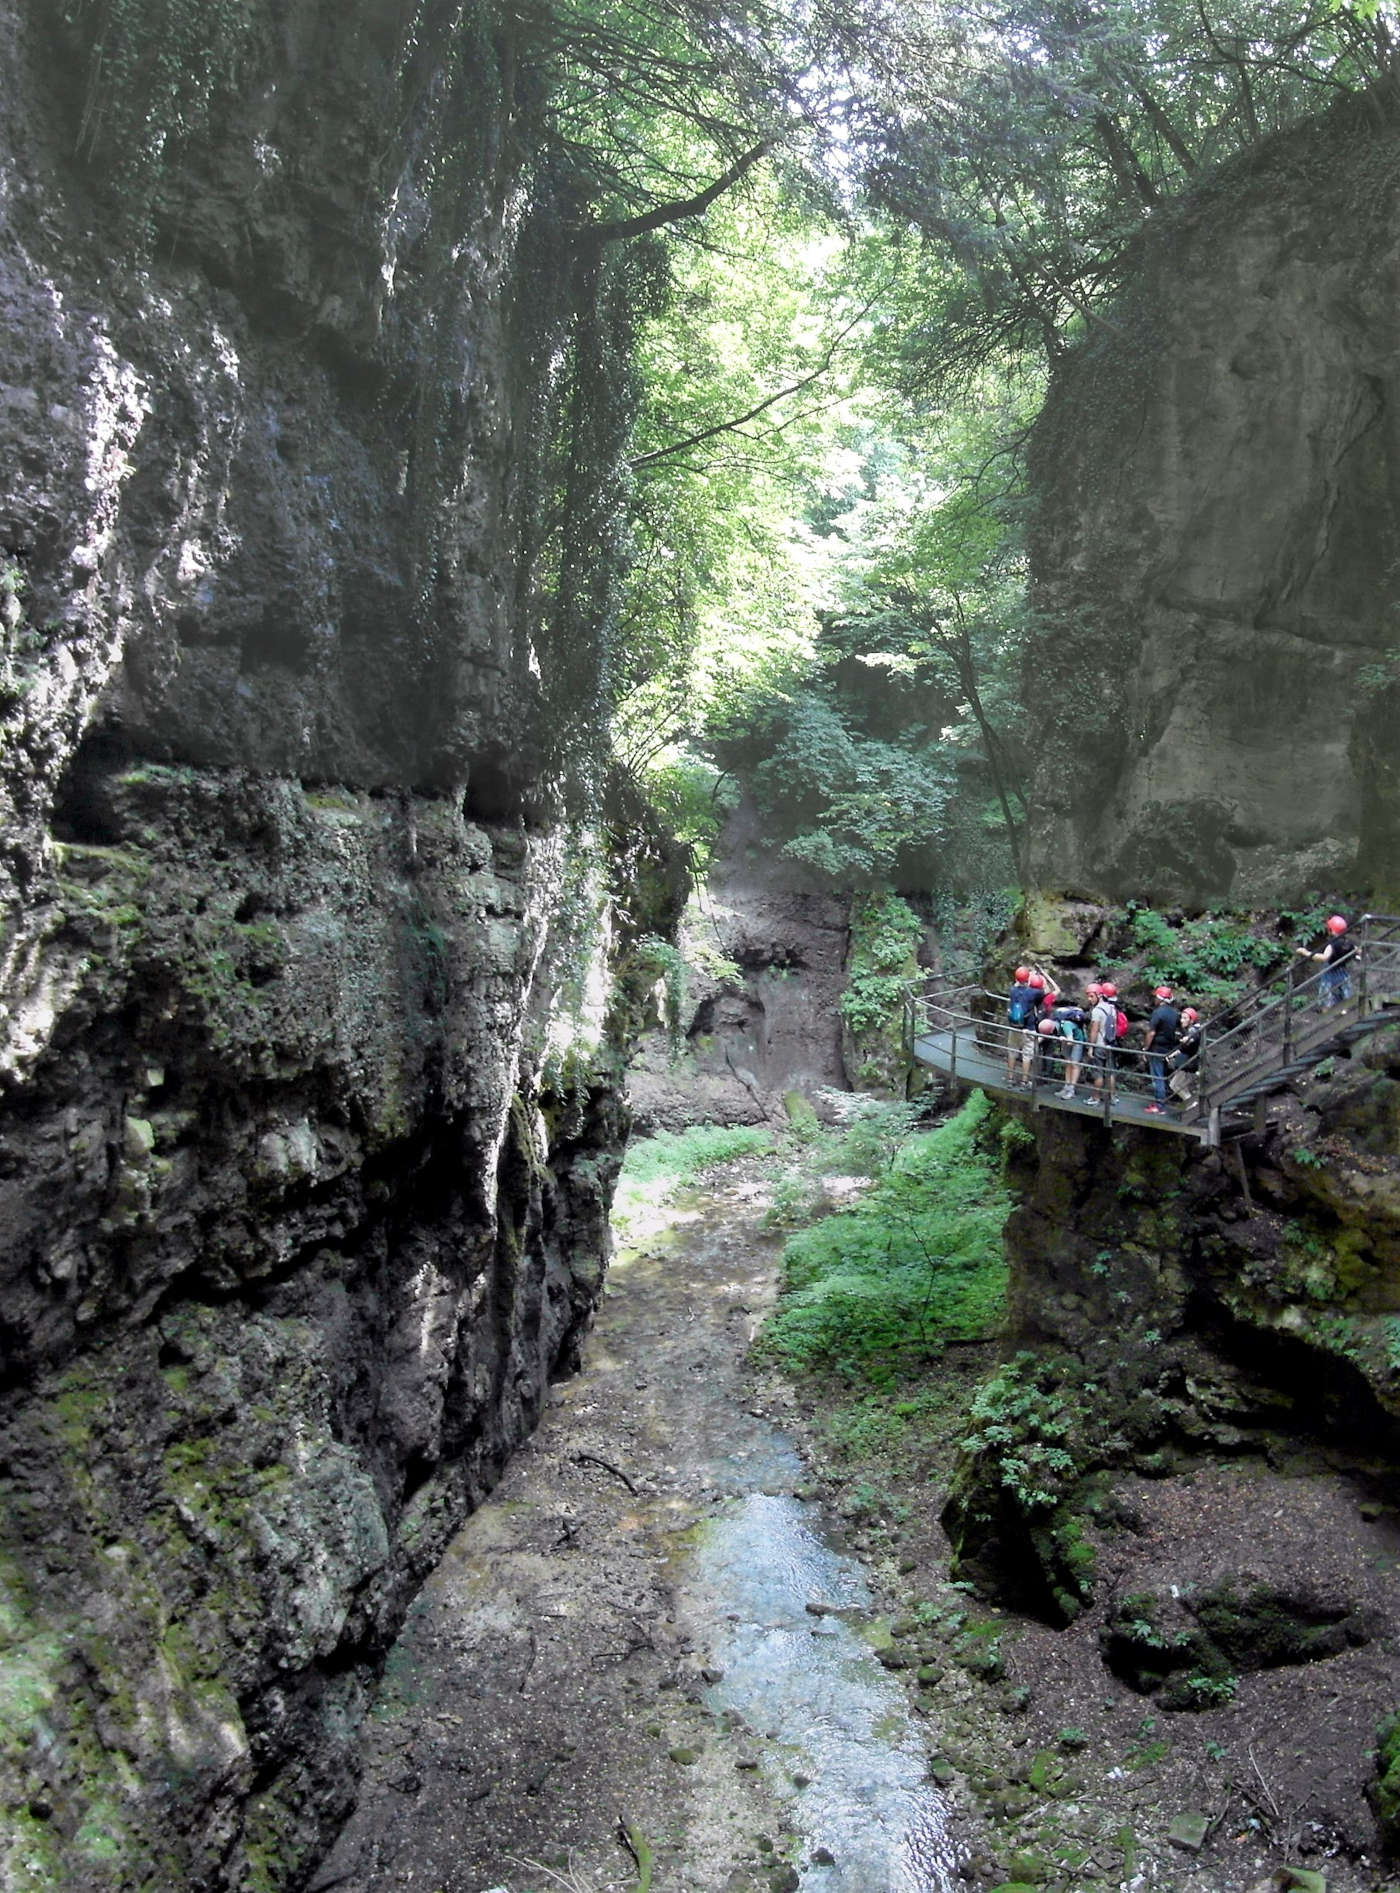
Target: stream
649, 1631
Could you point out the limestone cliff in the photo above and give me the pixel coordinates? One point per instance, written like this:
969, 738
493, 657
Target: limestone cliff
303, 1187
1215, 555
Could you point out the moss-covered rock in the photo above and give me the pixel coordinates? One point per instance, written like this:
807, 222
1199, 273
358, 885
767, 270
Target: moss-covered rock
1383, 1790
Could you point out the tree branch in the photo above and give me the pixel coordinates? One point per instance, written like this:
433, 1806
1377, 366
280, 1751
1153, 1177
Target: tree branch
738, 421
681, 208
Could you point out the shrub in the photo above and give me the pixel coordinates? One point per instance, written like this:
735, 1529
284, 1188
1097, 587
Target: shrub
915, 1262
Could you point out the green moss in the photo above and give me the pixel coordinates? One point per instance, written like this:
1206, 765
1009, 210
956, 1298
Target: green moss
29, 1684
1384, 1790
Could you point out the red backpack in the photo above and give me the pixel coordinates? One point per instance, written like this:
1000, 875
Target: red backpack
1122, 1031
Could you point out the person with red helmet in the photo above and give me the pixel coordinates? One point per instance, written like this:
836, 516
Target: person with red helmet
1334, 987
1071, 1022
1186, 1057
1162, 1029
1023, 1004
1103, 1035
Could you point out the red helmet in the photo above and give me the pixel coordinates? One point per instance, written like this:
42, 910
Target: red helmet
1023, 973
1093, 989
1046, 1025
1037, 980
1190, 1015
1107, 991
1163, 992
1048, 1000
1336, 924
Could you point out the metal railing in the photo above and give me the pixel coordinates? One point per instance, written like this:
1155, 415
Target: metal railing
968, 1027
1284, 1021
1282, 1027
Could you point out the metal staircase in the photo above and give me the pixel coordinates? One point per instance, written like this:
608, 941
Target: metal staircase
1278, 1032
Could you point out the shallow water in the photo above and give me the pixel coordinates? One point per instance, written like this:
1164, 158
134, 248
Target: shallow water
647, 1530
814, 1687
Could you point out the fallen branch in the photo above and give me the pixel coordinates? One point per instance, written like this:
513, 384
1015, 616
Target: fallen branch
593, 1459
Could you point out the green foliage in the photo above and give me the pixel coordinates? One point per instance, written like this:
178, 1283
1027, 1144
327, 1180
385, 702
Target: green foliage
1384, 1790
862, 808
1073, 128
1205, 957
692, 798
1029, 1426
158, 70
669, 969
1202, 1691
885, 932
914, 1262
656, 1167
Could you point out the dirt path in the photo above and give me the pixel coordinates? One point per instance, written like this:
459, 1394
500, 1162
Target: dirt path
564, 1669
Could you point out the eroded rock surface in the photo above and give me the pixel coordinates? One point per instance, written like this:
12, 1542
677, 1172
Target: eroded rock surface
304, 1173
1216, 547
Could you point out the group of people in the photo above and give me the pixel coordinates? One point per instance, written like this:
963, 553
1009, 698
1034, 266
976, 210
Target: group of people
1054, 1034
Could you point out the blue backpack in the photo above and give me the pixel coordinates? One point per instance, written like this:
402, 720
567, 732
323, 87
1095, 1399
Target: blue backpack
1020, 1009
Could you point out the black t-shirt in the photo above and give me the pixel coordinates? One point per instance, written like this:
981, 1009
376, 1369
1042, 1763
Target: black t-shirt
1339, 947
1163, 1027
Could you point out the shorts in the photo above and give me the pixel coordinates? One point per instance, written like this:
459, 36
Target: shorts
1102, 1056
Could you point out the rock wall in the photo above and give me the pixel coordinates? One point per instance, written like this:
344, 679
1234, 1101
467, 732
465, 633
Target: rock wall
760, 1017
304, 1173
1215, 554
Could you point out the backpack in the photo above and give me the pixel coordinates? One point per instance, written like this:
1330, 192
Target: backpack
1120, 1027
1021, 1008
1107, 1017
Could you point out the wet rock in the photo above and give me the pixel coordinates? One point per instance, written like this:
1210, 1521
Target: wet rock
684, 1757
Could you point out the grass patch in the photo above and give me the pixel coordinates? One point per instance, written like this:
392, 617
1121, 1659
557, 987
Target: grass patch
656, 1167
877, 1287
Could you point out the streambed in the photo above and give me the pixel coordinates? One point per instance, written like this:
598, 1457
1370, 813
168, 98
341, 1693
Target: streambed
650, 1628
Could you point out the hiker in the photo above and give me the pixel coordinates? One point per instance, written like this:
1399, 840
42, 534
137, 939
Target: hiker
1162, 1029
1046, 1035
1187, 1056
1021, 1003
1103, 1035
1334, 987
1071, 1021
1022, 1015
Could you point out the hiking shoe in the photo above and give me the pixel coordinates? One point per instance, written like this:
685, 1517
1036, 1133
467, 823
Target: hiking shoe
1155, 1110
1065, 1091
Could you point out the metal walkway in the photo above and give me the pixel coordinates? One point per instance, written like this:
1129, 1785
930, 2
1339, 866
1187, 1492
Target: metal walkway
1277, 1033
